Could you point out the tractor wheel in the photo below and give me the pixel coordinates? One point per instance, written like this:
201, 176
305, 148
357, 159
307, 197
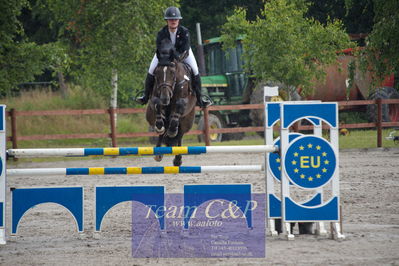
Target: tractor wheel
257, 116
214, 123
390, 112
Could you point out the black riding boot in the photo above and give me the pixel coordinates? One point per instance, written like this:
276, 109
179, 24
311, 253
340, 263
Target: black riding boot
197, 88
149, 85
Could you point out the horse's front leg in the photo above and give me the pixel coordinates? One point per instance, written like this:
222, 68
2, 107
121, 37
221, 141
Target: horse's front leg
159, 116
173, 128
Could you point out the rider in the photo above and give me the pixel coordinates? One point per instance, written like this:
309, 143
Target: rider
180, 38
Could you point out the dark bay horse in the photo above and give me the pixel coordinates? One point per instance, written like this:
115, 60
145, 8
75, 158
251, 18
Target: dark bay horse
171, 109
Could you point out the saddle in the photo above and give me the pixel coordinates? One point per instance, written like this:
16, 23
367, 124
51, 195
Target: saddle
189, 70
190, 75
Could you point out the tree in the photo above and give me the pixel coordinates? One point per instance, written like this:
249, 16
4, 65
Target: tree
212, 14
20, 59
381, 56
282, 45
107, 36
357, 19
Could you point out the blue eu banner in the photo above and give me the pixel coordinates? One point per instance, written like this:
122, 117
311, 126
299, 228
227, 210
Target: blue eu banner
274, 158
310, 162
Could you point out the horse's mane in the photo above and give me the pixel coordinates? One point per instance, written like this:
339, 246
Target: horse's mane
166, 52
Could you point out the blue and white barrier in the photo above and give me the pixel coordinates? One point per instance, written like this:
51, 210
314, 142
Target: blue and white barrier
308, 162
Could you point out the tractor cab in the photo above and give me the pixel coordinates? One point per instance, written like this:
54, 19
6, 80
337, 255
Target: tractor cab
225, 79
225, 82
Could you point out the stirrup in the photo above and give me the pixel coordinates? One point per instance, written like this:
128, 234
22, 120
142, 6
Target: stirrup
141, 100
206, 102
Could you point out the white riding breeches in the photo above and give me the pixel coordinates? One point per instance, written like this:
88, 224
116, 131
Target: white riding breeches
190, 60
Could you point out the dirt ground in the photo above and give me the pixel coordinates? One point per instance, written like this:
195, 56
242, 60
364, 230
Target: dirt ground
369, 195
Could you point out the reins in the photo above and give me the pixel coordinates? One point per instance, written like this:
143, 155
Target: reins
170, 87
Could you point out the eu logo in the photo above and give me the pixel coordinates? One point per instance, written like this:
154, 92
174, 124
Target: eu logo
274, 159
310, 162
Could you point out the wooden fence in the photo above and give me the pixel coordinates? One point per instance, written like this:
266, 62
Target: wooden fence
114, 135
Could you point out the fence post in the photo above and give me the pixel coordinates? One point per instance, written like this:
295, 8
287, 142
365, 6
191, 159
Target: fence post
379, 123
13, 115
14, 138
112, 113
206, 127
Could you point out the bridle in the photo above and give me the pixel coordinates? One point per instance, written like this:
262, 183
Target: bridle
169, 86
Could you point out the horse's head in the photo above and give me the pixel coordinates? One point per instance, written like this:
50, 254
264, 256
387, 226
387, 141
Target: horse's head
165, 77
165, 52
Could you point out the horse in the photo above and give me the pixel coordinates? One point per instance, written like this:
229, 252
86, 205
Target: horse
171, 109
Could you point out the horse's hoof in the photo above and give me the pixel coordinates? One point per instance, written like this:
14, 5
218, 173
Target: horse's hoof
177, 162
160, 131
158, 158
171, 134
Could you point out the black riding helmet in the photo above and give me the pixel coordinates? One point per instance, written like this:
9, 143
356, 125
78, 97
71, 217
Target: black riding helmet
172, 13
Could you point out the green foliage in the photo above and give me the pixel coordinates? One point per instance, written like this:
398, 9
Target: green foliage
282, 45
358, 18
380, 56
212, 14
383, 42
107, 35
38, 22
353, 117
20, 60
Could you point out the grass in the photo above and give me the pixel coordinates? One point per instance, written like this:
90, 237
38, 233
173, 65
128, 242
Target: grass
46, 99
353, 117
86, 99
356, 139
78, 98
365, 139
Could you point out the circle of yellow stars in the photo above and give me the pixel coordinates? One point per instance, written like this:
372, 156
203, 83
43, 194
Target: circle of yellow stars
294, 162
296, 170
308, 160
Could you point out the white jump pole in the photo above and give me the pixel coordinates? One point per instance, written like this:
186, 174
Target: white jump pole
62, 152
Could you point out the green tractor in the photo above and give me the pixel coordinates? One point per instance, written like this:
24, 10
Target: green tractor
225, 83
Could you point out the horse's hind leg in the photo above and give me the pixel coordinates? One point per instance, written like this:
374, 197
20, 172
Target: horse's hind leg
159, 157
177, 161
